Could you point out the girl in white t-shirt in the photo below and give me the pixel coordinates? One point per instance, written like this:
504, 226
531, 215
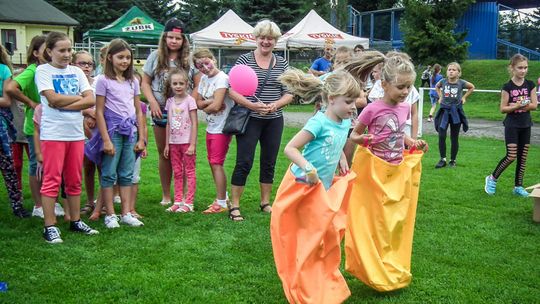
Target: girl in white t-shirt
181, 139
215, 102
64, 92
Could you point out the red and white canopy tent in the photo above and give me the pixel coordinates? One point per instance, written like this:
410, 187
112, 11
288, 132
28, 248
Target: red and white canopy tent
229, 31
314, 32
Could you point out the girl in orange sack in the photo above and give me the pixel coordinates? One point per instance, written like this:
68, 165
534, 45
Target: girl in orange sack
308, 215
382, 205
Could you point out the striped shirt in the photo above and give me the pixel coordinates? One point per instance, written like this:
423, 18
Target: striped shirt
273, 90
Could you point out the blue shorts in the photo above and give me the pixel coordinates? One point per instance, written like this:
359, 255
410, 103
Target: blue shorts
434, 99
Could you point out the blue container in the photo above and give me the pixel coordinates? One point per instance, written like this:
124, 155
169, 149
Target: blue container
3, 286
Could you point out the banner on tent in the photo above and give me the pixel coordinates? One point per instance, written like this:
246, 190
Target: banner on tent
245, 36
325, 36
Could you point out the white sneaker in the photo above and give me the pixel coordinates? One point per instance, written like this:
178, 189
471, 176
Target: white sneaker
58, 210
117, 200
111, 221
38, 211
130, 220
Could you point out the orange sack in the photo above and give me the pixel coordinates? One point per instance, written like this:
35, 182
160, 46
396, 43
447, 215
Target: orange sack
307, 226
380, 221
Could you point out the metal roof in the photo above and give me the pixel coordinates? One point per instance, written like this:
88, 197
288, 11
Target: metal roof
33, 11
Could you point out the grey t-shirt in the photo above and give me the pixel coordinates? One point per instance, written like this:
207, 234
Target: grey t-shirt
17, 108
452, 92
158, 79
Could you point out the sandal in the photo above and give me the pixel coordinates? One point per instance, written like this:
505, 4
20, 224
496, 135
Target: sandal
215, 208
185, 208
165, 203
235, 217
264, 206
175, 207
87, 209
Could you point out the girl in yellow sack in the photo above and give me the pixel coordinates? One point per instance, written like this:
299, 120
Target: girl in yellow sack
308, 217
382, 206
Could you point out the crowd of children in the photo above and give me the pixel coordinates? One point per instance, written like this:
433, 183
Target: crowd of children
74, 120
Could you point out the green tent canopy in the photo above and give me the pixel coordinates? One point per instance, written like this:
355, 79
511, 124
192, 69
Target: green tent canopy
135, 26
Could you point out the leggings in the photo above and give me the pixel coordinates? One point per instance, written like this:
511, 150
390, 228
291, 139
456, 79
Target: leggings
454, 140
517, 145
18, 149
268, 133
10, 179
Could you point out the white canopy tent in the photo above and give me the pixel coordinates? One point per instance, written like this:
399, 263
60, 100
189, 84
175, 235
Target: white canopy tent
314, 32
229, 31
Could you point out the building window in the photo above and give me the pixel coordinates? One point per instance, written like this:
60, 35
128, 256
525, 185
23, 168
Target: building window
9, 36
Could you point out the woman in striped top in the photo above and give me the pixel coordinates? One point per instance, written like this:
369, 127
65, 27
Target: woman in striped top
266, 121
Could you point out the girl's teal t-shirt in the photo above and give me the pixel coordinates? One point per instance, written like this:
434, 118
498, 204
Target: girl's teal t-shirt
324, 151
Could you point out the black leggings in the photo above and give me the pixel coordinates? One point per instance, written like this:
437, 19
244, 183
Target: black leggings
268, 133
517, 145
454, 136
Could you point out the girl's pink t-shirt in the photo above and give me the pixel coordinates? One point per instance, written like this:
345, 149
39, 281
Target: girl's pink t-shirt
386, 123
179, 120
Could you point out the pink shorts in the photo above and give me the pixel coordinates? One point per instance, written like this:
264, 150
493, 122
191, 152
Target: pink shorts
62, 159
217, 146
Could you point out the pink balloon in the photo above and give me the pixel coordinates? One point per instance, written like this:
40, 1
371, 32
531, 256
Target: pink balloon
243, 80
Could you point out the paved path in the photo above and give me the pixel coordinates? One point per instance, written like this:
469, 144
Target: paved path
477, 127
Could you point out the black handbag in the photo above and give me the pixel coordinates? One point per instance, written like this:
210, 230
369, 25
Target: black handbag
238, 117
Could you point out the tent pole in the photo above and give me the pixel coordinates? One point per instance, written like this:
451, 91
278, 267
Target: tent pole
219, 58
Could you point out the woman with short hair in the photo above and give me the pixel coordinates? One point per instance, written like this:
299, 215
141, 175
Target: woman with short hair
266, 120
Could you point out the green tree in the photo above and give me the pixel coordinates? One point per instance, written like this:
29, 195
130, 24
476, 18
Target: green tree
285, 13
428, 30
370, 5
97, 14
199, 14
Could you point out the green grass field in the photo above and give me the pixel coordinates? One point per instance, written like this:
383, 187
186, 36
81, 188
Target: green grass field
468, 247
479, 105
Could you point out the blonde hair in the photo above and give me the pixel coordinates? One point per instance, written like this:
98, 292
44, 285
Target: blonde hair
202, 53
458, 67
267, 28
81, 52
393, 65
168, 92
311, 88
517, 58
342, 51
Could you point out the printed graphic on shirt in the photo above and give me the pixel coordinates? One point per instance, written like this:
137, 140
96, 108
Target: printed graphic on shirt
521, 96
329, 148
178, 123
450, 91
67, 84
388, 124
208, 90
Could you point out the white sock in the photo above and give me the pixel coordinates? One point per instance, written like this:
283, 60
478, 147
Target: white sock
222, 203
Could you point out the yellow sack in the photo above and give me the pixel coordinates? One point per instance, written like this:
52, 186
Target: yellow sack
307, 226
380, 221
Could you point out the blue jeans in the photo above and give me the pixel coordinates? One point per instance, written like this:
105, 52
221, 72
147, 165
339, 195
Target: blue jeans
118, 167
32, 162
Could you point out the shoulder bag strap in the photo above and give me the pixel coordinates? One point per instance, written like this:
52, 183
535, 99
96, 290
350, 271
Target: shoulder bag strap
265, 77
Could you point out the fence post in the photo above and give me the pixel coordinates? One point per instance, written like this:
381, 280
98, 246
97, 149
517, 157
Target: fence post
420, 110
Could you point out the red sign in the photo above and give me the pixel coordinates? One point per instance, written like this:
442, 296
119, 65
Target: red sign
325, 36
245, 36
